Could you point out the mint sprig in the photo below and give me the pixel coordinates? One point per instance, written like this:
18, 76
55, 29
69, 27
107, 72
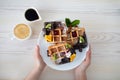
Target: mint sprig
75, 23
68, 22
71, 24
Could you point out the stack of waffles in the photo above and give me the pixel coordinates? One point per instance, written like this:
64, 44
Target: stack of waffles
63, 42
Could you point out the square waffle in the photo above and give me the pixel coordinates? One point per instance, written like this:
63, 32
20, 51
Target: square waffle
61, 53
58, 36
72, 37
57, 49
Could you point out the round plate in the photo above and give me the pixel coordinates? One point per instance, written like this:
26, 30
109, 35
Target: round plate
80, 56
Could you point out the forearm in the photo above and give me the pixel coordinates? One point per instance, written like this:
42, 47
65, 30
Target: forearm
80, 76
34, 74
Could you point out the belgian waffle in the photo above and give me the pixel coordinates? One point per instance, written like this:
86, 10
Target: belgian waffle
57, 49
58, 36
72, 37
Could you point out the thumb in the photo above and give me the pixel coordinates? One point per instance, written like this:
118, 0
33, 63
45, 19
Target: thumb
37, 52
37, 49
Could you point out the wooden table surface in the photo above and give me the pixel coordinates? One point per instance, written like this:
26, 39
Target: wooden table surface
100, 18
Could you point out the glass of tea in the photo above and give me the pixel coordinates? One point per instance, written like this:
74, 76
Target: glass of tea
32, 14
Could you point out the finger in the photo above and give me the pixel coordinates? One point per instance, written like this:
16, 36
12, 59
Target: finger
88, 55
37, 52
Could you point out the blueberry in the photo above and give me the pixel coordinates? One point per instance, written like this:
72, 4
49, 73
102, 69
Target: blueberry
83, 45
47, 31
48, 53
44, 29
80, 49
65, 60
72, 50
76, 46
57, 24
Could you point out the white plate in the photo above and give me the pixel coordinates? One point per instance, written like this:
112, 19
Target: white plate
80, 56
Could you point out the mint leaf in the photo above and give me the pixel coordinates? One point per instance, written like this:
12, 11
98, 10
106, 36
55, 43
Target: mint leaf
48, 26
68, 45
75, 23
55, 57
81, 39
68, 22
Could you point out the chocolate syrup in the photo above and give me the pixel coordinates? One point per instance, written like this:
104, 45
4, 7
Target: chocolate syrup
31, 15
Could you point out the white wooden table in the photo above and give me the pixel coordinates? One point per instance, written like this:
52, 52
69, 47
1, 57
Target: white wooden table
100, 18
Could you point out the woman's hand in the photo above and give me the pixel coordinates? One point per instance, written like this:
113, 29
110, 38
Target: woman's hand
39, 63
39, 66
80, 71
84, 65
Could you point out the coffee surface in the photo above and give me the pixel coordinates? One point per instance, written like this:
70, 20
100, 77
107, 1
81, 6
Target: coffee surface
21, 31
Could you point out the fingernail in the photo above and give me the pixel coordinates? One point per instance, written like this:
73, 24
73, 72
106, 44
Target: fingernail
36, 46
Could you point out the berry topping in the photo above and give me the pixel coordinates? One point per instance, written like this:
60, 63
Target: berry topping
56, 32
57, 24
80, 49
74, 34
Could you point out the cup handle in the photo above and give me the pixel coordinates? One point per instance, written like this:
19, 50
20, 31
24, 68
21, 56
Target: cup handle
11, 36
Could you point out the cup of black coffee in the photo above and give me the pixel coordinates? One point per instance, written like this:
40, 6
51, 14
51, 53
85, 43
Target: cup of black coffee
31, 14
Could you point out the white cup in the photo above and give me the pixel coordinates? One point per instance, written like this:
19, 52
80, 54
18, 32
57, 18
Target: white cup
31, 13
22, 32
